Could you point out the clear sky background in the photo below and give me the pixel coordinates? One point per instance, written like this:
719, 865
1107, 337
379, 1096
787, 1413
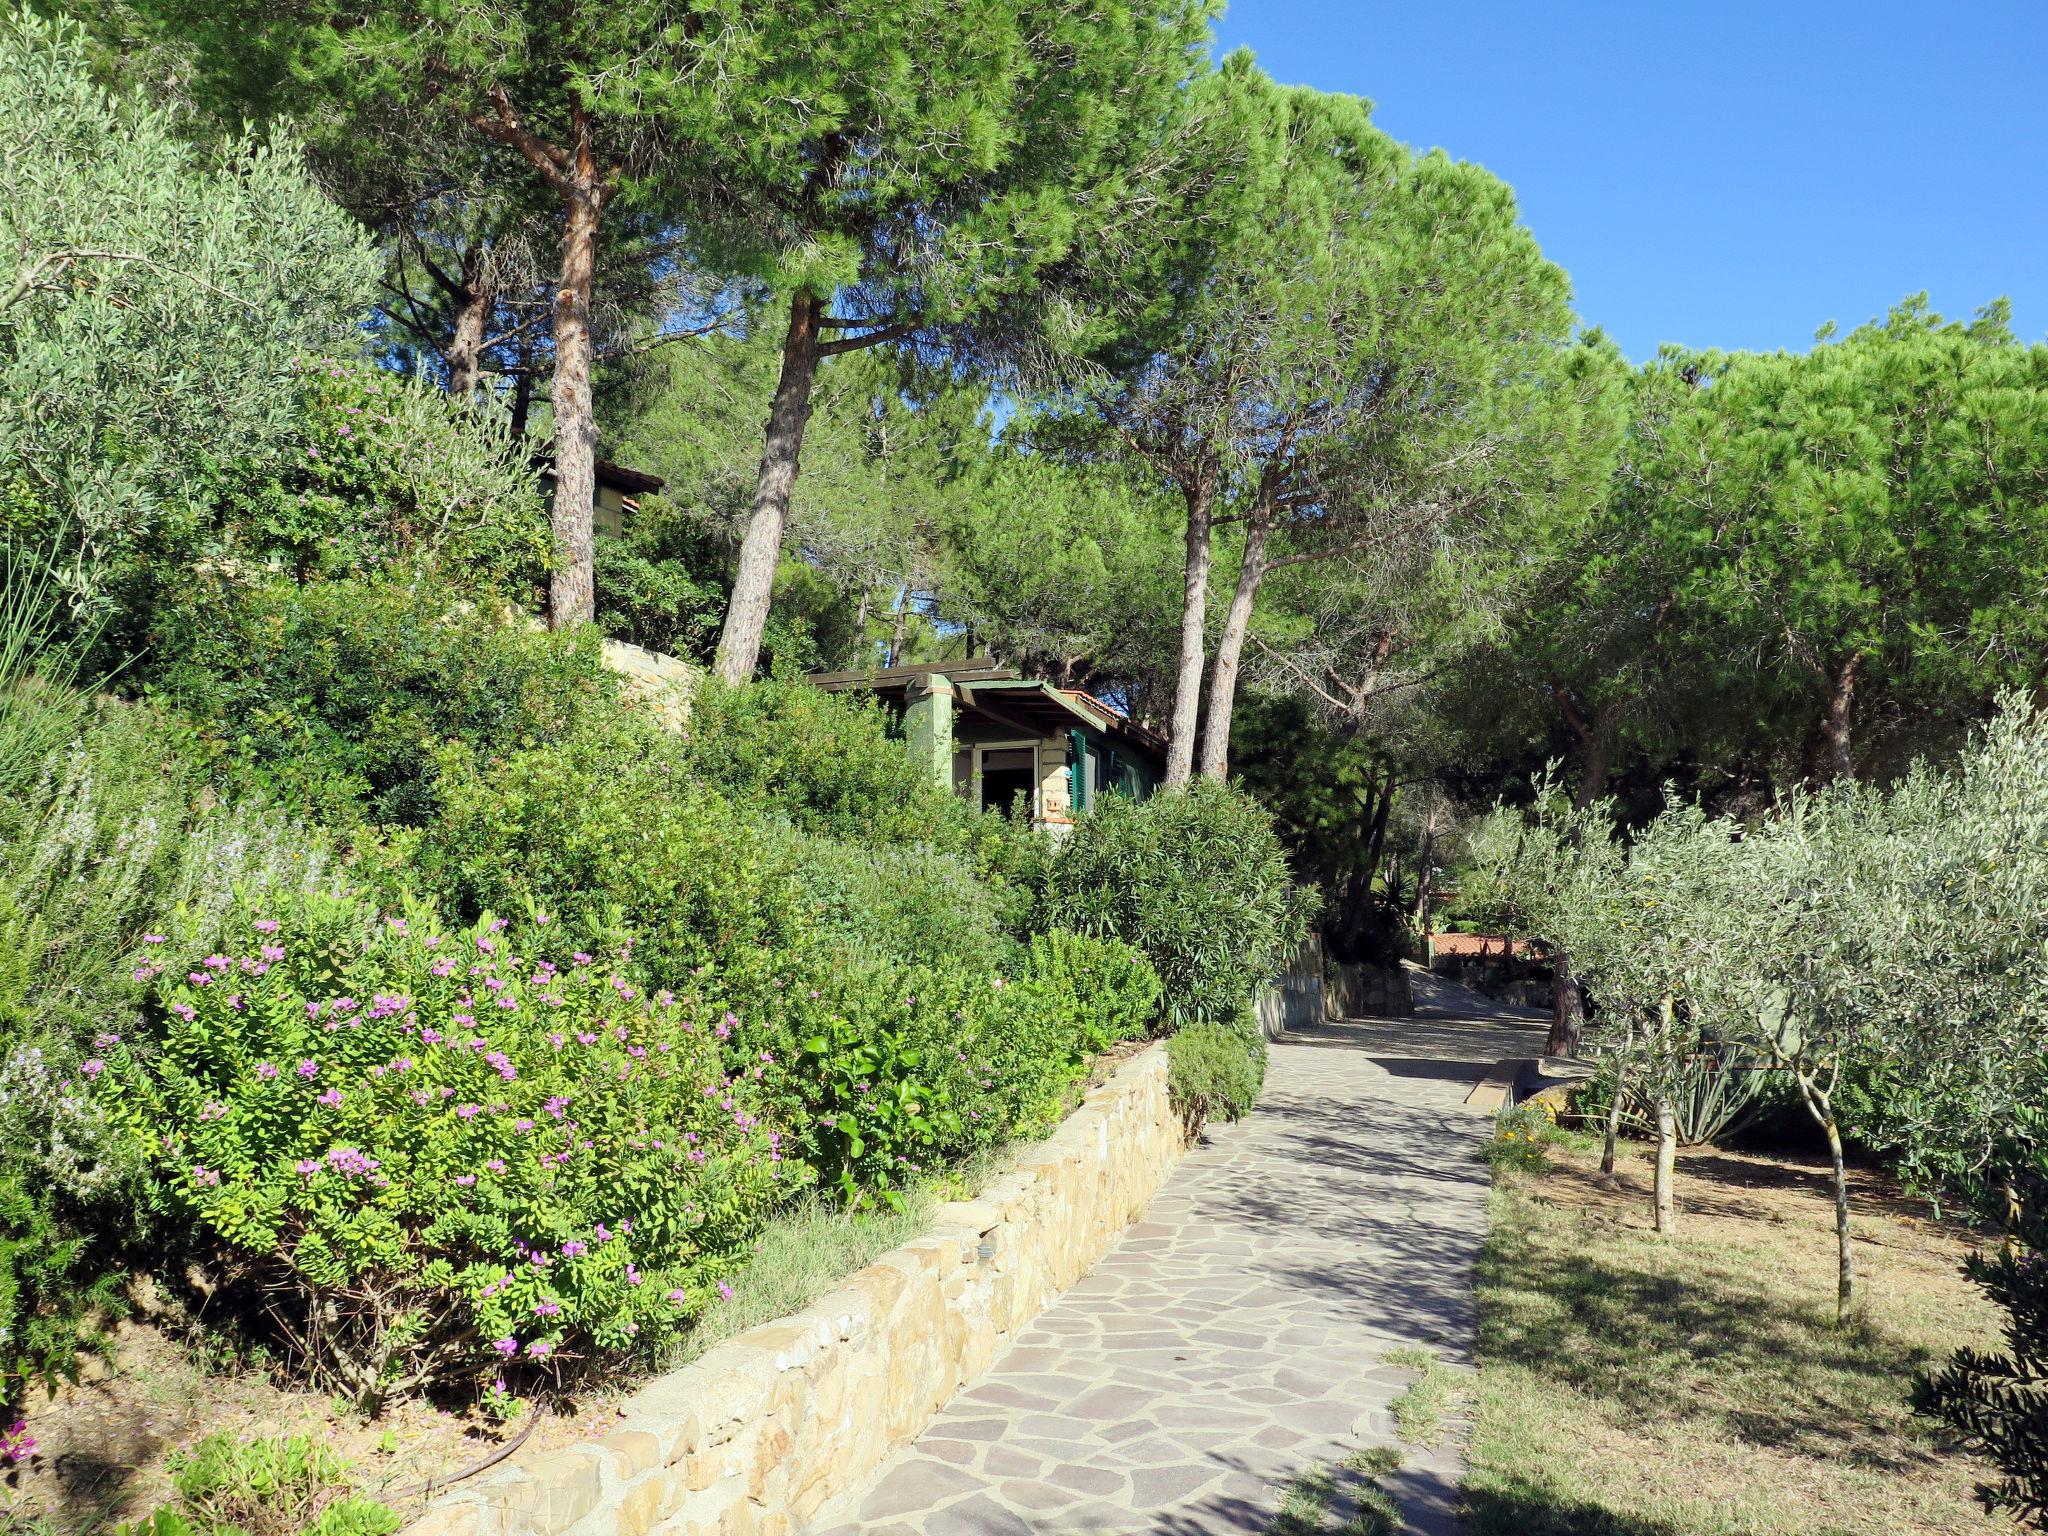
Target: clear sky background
1726, 175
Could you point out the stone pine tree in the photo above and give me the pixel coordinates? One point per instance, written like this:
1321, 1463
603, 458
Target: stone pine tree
591, 101
920, 175
1347, 365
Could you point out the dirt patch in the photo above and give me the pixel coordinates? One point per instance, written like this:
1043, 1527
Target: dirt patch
101, 1444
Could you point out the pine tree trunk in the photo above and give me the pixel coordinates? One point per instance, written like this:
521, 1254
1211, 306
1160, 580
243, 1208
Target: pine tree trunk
475, 303
1194, 623
1836, 759
571, 587
746, 616
1821, 1107
1237, 623
1667, 1160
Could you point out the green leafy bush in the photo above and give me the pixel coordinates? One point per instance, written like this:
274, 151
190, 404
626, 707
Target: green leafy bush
1213, 1072
1195, 880
908, 903
273, 1486
332, 696
1108, 988
890, 1071
608, 836
383, 469
1998, 1402
828, 761
656, 603
440, 1161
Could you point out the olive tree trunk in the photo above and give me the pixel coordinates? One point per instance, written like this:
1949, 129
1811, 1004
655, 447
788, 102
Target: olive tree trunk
746, 616
1667, 1162
1820, 1104
1621, 1064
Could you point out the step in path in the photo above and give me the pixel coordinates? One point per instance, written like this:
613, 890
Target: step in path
1238, 1332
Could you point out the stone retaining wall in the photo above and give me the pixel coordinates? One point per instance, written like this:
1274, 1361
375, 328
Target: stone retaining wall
751, 1439
1367, 991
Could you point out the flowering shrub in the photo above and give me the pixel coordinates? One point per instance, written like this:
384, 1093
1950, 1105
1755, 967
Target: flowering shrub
441, 1161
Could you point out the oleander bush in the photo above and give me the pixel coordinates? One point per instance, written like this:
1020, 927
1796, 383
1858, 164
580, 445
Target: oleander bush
1197, 881
432, 1160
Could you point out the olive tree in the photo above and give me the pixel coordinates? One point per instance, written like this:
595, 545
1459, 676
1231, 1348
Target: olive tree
159, 298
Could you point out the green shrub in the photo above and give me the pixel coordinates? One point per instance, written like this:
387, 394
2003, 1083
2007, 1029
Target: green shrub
1998, 1402
1213, 1072
439, 1161
382, 469
829, 762
332, 696
608, 837
1195, 880
890, 1071
274, 1486
1108, 988
656, 603
56, 1291
911, 903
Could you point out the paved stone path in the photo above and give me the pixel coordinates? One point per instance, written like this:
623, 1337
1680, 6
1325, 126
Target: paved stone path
1236, 1333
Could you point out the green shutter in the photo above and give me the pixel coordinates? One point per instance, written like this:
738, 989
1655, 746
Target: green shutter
1077, 771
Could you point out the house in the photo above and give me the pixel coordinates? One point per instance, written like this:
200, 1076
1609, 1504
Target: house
617, 496
995, 737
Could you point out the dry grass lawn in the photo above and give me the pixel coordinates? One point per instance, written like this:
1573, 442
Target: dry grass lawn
1701, 1387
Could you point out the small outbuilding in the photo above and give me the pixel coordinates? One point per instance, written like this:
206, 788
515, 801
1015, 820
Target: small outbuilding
995, 737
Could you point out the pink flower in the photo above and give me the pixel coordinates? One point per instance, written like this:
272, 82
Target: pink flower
331, 1098
506, 1346
309, 1069
724, 1291
265, 1071
539, 1347
266, 925
92, 1068
573, 1249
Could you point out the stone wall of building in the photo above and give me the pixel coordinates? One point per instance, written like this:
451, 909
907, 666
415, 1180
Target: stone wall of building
751, 1439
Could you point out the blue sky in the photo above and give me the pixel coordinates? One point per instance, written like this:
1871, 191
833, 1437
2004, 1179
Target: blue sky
1730, 174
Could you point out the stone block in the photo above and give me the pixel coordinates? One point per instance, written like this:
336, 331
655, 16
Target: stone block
632, 1452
